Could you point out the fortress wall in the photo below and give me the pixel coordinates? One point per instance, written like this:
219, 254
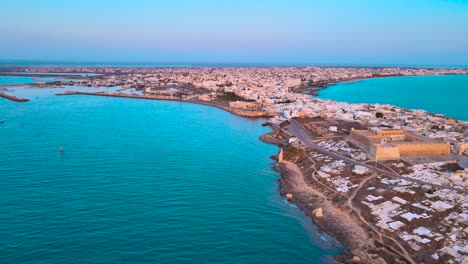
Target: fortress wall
462, 147
424, 148
384, 152
355, 135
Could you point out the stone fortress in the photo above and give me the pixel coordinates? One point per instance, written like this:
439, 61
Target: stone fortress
391, 144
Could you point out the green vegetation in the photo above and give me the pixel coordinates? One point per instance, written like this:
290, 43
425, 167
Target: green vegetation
232, 97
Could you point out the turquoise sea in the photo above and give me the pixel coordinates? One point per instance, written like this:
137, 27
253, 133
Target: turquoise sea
26, 80
443, 94
16, 80
142, 182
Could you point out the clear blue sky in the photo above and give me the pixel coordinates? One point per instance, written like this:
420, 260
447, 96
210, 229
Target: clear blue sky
424, 32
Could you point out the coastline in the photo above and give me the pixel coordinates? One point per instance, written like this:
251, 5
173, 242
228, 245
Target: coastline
228, 206
313, 90
336, 220
355, 234
315, 95
335, 224
360, 242
239, 112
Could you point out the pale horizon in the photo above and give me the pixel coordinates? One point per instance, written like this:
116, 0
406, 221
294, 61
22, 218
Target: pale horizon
416, 33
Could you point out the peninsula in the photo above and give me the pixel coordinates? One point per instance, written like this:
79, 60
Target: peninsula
389, 183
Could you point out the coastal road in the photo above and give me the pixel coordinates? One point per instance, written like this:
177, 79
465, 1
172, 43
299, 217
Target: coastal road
298, 131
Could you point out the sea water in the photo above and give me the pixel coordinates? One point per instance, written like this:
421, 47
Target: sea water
442, 94
15, 80
142, 181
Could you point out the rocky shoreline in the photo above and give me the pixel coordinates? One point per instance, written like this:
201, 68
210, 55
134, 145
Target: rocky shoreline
335, 220
332, 220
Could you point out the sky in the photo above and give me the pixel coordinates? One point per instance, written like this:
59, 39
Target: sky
358, 32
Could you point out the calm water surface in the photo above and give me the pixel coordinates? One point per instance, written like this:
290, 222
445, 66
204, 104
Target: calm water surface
27, 80
142, 182
445, 94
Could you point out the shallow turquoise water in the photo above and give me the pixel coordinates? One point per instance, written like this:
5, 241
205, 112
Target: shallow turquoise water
142, 182
23, 79
16, 80
445, 94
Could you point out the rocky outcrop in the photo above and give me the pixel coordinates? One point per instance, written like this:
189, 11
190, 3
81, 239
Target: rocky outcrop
318, 213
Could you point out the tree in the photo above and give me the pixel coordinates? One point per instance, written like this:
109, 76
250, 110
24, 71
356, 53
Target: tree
379, 115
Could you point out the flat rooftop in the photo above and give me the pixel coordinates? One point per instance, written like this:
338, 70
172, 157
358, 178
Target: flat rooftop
384, 129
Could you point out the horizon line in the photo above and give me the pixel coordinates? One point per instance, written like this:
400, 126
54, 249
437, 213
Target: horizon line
154, 63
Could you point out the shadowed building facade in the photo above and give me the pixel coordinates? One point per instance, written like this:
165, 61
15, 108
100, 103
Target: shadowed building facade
388, 144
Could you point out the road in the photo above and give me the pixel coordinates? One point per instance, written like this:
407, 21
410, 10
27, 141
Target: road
298, 131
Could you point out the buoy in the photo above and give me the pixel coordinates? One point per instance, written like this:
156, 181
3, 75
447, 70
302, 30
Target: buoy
61, 149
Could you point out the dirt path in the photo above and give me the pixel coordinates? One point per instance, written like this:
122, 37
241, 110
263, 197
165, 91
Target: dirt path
343, 221
361, 184
335, 221
298, 182
349, 203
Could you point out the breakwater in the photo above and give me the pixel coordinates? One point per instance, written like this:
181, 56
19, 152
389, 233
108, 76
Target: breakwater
13, 98
239, 112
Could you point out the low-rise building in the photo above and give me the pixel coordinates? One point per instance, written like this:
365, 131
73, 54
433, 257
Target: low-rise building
387, 143
245, 105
